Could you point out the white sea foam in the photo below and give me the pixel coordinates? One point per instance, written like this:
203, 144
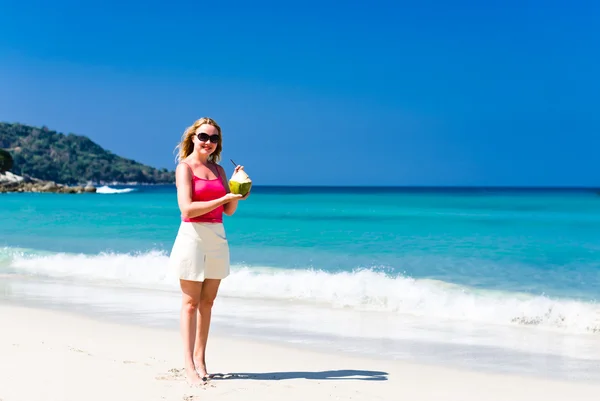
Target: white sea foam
108, 190
363, 289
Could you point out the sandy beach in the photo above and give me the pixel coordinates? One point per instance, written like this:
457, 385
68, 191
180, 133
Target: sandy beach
50, 355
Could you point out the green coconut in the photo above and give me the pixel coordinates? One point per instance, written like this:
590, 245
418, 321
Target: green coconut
240, 183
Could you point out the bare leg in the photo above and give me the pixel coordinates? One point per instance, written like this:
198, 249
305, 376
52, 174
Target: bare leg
189, 306
207, 299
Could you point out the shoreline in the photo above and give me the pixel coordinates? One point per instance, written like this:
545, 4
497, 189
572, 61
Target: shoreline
10, 182
13, 183
494, 349
85, 358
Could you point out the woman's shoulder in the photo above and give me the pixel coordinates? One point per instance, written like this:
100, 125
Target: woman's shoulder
183, 167
218, 166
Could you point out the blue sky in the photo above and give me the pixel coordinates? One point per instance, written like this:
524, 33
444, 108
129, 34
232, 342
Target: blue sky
323, 93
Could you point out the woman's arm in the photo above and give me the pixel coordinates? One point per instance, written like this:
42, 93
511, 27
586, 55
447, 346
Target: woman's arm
230, 208
190, 209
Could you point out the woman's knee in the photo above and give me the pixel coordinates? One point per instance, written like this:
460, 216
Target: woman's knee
209, 293
190, 305
206, 304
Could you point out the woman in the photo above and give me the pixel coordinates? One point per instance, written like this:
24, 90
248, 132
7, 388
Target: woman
200, 254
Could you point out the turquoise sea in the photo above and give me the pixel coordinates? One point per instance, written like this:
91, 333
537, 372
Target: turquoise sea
496, 279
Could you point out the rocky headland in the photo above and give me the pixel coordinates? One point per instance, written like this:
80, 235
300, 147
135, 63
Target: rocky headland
10, 182
37, 159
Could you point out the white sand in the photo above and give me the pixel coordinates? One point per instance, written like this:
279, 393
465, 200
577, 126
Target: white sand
48, 355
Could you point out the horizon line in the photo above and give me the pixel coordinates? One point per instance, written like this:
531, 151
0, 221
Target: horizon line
423, 186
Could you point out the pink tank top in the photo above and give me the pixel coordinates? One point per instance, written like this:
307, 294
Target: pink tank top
206, 190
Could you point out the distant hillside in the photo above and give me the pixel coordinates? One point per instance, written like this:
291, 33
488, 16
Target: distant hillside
71, 159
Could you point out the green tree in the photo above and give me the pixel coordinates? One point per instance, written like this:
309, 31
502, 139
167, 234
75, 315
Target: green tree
6, 161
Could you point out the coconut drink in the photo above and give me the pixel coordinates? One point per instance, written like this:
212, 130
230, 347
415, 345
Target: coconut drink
240, 183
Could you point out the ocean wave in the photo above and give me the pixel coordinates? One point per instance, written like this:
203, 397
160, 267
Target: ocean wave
108, 190
361, 289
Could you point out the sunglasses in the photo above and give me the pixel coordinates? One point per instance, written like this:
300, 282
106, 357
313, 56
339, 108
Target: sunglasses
205, 137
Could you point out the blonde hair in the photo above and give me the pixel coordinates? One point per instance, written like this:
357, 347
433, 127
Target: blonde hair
186, 146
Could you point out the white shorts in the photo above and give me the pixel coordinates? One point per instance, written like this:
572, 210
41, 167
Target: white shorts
200, 251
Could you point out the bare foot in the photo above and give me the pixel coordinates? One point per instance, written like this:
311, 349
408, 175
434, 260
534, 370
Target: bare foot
201, 369
192, 377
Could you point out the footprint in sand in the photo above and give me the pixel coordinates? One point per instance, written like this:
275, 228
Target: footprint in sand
173, 374
128, 362
80, 351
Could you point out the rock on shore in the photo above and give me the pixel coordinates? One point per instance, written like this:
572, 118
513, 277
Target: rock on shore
10, 182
